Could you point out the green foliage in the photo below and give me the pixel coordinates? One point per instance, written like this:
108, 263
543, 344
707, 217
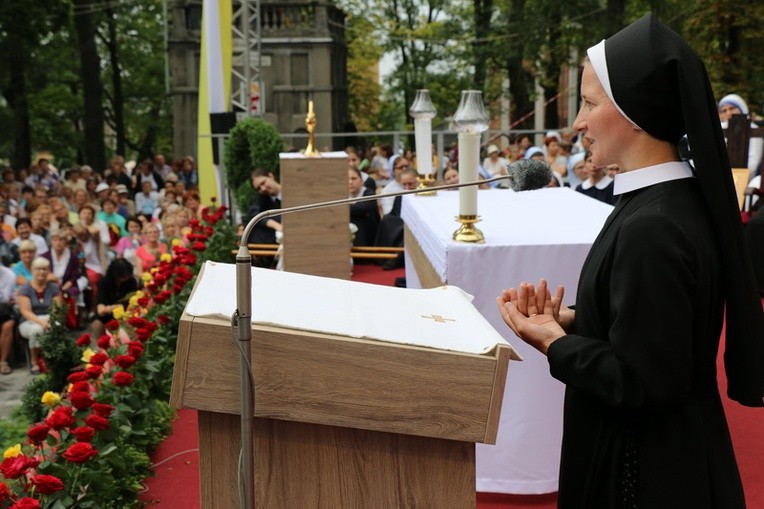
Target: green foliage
253, 143
60, 354
13, 429
43, 34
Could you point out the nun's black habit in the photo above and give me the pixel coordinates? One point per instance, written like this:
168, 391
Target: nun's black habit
644, 424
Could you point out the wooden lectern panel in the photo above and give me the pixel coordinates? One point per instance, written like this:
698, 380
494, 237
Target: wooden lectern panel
309, 465
318, 241
339, 381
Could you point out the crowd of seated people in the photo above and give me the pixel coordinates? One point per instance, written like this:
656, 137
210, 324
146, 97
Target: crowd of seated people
82, 238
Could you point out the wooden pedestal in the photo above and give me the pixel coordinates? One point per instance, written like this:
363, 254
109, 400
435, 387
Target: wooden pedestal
316, 242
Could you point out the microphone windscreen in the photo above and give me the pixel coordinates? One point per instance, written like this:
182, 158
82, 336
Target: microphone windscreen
529, 174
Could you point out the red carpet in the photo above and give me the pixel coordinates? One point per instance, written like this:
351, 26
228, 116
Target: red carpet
176, 460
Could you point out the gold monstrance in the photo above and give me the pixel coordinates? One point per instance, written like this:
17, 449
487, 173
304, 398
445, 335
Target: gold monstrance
310, 125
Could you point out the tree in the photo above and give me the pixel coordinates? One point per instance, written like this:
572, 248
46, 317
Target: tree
92, 86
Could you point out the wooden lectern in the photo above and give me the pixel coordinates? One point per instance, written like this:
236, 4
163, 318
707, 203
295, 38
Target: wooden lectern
340, 422
316, 242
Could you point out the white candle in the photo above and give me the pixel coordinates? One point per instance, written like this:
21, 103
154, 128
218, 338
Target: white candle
423, 139
469, 158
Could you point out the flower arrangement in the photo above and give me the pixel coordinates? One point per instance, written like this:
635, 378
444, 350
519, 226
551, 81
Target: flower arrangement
88, 443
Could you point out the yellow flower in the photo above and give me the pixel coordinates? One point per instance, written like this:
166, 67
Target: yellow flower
12, 452
146, 276
175, 242
132, 302
166, 257
50, 399
87, 354
119, 312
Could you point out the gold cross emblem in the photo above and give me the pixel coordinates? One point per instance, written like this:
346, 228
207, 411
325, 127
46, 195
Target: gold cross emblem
439, 319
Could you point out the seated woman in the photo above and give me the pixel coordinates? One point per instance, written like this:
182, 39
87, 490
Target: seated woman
149, 252
114, 289
65, 272
23, 267
129, 244
364, 215
35, 300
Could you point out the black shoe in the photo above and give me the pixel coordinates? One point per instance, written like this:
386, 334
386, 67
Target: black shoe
393, 263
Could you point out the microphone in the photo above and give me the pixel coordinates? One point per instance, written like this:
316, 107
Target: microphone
528, 175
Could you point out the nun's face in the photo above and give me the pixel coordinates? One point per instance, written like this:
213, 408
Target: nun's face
726, 110
609, 133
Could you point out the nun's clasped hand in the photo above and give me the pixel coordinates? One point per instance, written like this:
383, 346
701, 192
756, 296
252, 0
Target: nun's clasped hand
533, 314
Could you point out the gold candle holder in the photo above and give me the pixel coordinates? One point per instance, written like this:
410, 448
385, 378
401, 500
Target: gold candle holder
467, 231
310, 125
425, 182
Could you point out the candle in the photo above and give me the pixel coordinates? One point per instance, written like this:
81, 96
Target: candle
310, 107
469, 158
423, 139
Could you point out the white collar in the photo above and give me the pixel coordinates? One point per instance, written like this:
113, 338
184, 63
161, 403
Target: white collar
602, 184
645, 177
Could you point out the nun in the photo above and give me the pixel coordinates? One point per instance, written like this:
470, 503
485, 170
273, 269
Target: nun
644, 424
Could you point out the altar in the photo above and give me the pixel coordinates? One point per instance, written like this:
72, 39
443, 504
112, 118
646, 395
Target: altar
529, 235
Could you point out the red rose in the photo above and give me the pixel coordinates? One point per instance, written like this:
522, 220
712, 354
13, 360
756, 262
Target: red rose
80, 387
84, 433
13, 468
84, 340
135, 348
81, 400
162, 296
213, 199
189, 259
102, 409
62, 417
104, 341
38, 433
78, 376
26, 503
124, 361
142, 334
97, 422
47, 484
137, 321
112, 325
198, 246
143, 301
94, 371
98, 359
80, 452
151, 287
152, 326
5, 491
163, 319
122, 378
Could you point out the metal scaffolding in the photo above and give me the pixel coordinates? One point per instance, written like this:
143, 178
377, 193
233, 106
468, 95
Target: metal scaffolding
246, 79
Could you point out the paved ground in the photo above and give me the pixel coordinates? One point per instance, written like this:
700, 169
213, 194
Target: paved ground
12, 388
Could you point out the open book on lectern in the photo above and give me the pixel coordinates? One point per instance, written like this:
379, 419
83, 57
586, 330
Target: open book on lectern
441, 318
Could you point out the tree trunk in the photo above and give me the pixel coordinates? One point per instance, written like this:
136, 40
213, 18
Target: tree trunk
482, 18
16, 95
116, 83
92, 87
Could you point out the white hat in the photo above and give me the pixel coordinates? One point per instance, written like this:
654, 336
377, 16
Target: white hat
103, 186
491, 149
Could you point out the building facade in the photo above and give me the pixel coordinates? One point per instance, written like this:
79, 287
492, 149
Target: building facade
304, 56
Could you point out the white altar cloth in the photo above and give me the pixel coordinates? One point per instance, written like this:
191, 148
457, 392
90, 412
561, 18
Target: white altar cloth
529, 235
